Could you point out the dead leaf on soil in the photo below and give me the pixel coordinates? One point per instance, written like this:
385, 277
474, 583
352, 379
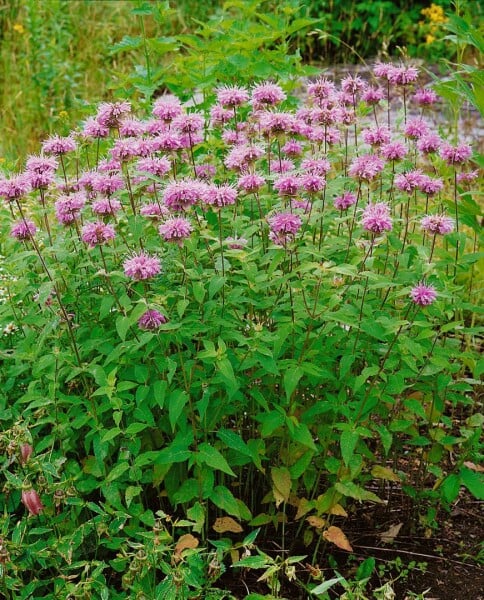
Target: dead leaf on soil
338, 511
380, 472
336, 536
388, 536
317, 522
184, 543
473, 467
224, 524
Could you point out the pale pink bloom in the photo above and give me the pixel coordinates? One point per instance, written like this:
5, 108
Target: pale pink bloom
437, 224
242, 156
282, 166
109, 114
325, 116
190, 123
276, 122
373, 95
304, 205
151, 320
167, 108
41, 164
403, 75
423, 295
15, 187
175, 230
267, 94
430, 186
68, 208
232, 95
251, 182
124, 149
106, 183
376, 218
106, 206
467, 177
155, 166
287, 185
383, 70
167, 141
92, 128
425, 97
393, 151
142, 266
205, 171
455, 155
321, 89
154, 126
220, 195
97, 233
352, 84
366, 167
376, 136
23, 230
416, 128
316, 166
292, 148
58, 145
220, 115
312, 183
40, 181
344, 201
154, 211
131, 127
236, 243
181, 195
408, 182
430, 142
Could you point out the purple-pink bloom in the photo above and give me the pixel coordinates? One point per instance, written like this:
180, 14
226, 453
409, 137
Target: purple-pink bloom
402, 75
267, 94
58, 145
430, 186
151, 320
383, 70
366, 167
376, 218
106, 183
167, 108
423, 294
155, 166
425, 97
236, 243
416, 128
430, 142
276, 122
393, 151
376, 136
166, 141
175, 230
23, 230
15, 187
455, 155
321, 89
106, 206
190, 123
467, 177
316, 166
219, 195
312, 183
373, 95
109, 114
220, 115
142, 266
287, 185
131, 127
68, 208
250, 182
92, 128
352, 84
231, 95
94, 234
41, 164
123, 149
408, 182
180, 195
292, 148
285, 223
437, 224
344, 201
282, 166
154, 211
205, 171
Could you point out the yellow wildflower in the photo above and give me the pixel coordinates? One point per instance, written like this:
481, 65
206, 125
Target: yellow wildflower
19, 28
434, 13
429, 38
63, 114
2, 159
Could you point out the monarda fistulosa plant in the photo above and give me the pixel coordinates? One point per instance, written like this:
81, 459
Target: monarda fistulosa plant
256, 313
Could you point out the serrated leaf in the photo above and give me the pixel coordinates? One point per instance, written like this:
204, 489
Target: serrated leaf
186, 542
352, 490
211, 456
473, 482
131, 492
348, 442
117, 471
336, 536
281, 479
176, 403
380, 472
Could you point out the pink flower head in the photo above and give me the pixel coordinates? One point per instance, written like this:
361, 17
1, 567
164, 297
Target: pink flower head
316, 166
231, 95
292, 148
376, 136
23, 230
352, 85
32, 502
106, 183
167, 108
425, 97
151, 320
167, 141
109, 114
428, 143
416, 128
304, 205
41, 164
15, 187
383, 70
68, 208
287, 185
142, 266
155, 166
131, 127
94, 234
242, 156
205, 171
455, 155
92, 128
250, 182
220, 115
175, 230
376, 218
366, 167
408, 182
393, 151
423, 294
403, 75
468, 176
437, 224
189, 123
275, 123
283, 227
40, 181
344, 201
282, 166
267, 94
154, 211
220, 195
311, 183
58, 145
180, 195
123, 149
430, 186
106, 206
321, 89
373, 95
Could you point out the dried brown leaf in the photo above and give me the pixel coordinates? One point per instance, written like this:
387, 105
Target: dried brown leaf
224, 524
336, 536
184, 543
317, 522
388, 536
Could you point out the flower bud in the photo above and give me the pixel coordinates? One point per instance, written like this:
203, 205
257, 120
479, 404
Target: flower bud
25, 453
32, 501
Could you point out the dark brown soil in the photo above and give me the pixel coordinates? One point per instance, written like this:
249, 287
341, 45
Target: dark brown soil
447, 563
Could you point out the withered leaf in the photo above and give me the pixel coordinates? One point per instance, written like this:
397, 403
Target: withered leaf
184, 543
224, 524
336, 536
317, 522
388, 536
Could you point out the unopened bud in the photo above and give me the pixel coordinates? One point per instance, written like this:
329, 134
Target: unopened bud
32, 501
25, 453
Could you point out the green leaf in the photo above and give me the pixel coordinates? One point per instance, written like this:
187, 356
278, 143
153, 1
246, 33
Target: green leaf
352, 490
211, 456
225, 500
117, 471
348, 442
451, 487
322, 588
111, 434
131, 492
291, 379
176, 403
135, 428
473, 481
